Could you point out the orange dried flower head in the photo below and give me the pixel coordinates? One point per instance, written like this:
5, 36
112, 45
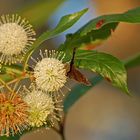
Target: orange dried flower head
13, 115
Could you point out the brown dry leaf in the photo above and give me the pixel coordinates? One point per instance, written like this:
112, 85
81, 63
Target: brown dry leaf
78, 76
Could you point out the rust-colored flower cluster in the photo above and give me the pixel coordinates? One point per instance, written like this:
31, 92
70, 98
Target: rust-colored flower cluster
13, 114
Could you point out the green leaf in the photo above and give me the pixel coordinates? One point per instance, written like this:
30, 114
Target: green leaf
104, 64
65, 23
17, 137
92, 37
78, 91
131, 16
99, 29
39, 11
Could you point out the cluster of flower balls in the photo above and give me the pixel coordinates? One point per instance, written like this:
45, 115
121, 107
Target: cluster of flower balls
38, 105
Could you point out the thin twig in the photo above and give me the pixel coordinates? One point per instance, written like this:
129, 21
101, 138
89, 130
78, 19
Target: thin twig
6, 85
56, 130
16, 79
62, 127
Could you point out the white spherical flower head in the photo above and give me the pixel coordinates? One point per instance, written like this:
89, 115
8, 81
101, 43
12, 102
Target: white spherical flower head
15, 38
50, 74
40, 105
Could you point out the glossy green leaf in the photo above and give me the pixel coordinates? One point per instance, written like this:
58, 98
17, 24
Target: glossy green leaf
78, 91
104, 64
39, 11
92, 37
131, 16
99, 35
99, 29
65, 23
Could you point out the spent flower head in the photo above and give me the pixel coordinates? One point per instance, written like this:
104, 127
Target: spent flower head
15, 38
50, 72
13, 115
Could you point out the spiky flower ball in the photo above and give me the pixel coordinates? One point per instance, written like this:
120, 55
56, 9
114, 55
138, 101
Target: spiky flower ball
50, 73
41, 107
13, 115
15, 38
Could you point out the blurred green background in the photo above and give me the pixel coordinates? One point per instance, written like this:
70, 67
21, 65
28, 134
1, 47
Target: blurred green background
104, 113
